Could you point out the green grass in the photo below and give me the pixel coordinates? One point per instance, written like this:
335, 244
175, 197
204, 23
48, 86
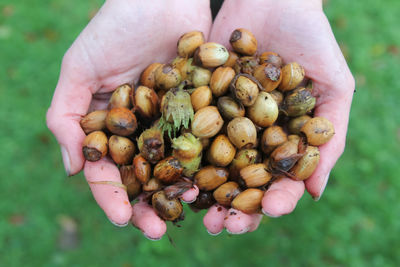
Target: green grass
356, 223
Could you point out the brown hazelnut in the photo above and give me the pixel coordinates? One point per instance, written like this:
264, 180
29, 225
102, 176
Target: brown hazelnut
246, 65
268, 75
121, 121
184, 65
207, 122
264, 111
152, 185
133, 186
272, 137
230, 108
94, 121
166, 77
200, 77
167, 209
201, 97
226, 192
210, 177
295, 124
245, 88
210, 55
271, 58
147, 78
255, 175
292, 75
121, 149
306, 165
243, 158
204, 200
95, 146
231, 59
168, 170
243, 42
220, 80
248, 201
221, 152
318, 131
120, 98
142, 169
189, 42
242, 132
146, 102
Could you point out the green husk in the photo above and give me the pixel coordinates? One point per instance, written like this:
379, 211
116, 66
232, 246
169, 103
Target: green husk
188, 150
177, 111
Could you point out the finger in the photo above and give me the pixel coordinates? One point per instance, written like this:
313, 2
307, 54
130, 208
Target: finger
214, 219
70, 102
145, 218
111, 198
238, 222
337, 111
282, 196
190, 195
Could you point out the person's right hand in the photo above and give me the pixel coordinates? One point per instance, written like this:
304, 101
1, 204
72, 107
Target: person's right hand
119, 42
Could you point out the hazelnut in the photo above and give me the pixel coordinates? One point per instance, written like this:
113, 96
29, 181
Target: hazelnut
210, 55
242, 132
188, 150
306, 165
277, 96
95, 146
268, 75
248, 201
298, 102
168, 170
94, 121
295, 124
255, 175
226, 192
210, 177
121, 121
243, 42
231, 59
271, 58
246, 65
221, 152
243, 158
128, 178
264, 111
166, 77
272, 137
151, 144
318, 131
204, 200
245, 88
200, 77
207, 122
146, 102
220, 80
152, 185
189, 42
147, 78
230, 108
201, 97
121, 149
292, 75
120, 98
167, 209
142, 169
184, 65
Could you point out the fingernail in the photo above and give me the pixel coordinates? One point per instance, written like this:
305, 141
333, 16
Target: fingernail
66, 160
316, 198
214, 234
243, 231
188, 202
117, 224
150, 238
270, 215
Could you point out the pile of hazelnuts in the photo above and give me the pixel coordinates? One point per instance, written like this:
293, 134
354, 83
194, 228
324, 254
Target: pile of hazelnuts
229, 122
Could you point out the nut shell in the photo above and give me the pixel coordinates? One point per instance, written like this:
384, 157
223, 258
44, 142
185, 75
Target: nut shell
242, 132
189, 42
292, 75
94, 121
318, 131
210, 55
167, 209
243, 158
248, 201
146, 102
231, 59
220, 80
255, 175
152, 185
298, 102
95, 146
168, 170
245, 88
128, 178
264, 111
268, 75
272, 137
207, 122
230, 108
243, 42
271, 58
142, 169
201, 97
166, 77
200, 77
120, 98
226, 192
210, 177
295, 124
121, 121
147, 78
121, 149
204, 200
306, 165
221, 152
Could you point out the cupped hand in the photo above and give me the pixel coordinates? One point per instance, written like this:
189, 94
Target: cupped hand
299, 31
119, 42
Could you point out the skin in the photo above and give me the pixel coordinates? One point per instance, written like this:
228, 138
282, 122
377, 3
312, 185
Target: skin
117, 45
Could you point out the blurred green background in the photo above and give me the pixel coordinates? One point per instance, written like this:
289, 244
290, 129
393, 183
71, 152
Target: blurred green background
47, 219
